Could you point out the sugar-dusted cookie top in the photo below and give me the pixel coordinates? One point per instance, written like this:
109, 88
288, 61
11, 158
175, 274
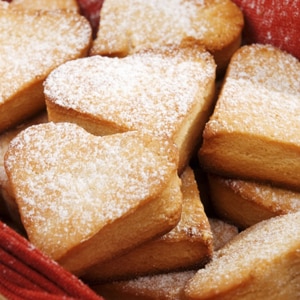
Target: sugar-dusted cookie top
33, 43
260, 262
69, 184
253, 132
127, 27
167, 91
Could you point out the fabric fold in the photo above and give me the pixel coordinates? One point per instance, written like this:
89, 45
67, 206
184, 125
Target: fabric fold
26, 273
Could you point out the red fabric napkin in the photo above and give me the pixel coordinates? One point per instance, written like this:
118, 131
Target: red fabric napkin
27, 274
91, 10
275, 22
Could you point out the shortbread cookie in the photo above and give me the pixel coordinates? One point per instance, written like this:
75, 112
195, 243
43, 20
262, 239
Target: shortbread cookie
222, 232
45, 4
128, 26
33, 43
6, 196
245, 203
162, 286
167, 286
188, 245
262, 262
85, 199
254, 130
168, 91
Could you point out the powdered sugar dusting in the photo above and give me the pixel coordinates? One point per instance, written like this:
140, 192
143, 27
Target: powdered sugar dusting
6, 137
4, 141
34, 43
163, 286
148, 22
68, 183
261, 94
222, 232
127, 27
252, 250
279, 201
149, 91
45, 4
193, 223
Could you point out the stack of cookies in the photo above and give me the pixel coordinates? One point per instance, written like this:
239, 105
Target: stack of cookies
103, 138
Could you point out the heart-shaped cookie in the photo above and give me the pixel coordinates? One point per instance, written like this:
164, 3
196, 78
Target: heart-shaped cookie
253, 133
33, 43
84, 199
132, 25
191, 243
166, 91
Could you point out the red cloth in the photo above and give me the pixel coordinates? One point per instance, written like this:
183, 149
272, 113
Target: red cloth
91, 10
274, 22
26, 273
